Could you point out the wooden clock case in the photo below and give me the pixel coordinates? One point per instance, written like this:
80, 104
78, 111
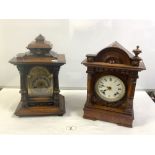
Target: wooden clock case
40, 55
112, 60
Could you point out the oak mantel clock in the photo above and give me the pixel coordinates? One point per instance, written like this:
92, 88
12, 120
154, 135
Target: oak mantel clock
39, 85
111, 81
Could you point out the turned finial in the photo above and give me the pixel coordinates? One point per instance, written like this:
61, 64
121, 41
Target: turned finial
40, 38
136, 58
137, 51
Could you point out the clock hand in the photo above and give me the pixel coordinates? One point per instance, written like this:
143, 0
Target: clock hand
109, 88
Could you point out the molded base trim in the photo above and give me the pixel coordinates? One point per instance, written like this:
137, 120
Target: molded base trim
108, 116
41, 110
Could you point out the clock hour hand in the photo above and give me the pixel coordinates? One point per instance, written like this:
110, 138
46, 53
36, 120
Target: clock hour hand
106, 89
109, 88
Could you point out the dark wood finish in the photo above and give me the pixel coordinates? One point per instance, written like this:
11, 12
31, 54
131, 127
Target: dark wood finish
113, 60
40, 55
41, 110
110, 116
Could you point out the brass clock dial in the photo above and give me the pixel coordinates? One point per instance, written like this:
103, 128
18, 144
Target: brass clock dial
40, 82
110, 88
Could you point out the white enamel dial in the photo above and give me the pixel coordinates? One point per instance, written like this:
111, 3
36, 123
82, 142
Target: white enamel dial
110, 88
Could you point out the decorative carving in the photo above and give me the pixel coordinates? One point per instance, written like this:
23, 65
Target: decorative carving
111, 70
99, 101
113, 60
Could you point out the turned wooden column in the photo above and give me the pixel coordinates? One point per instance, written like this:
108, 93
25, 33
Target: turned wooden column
23, 80
56, 90
89, 85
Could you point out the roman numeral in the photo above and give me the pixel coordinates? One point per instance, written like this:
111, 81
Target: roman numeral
110, 79
118, 85
103, 92
105, 79
119, 89
101, 85
117, 93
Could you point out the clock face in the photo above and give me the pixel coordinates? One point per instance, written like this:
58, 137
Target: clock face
40, 82
110, 88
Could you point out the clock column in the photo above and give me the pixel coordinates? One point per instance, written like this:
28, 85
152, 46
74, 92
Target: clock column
23, 81
90, 71
131, 90
56, 90
89, 85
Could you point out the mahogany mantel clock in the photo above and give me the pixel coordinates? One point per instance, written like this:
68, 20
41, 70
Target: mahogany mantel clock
111, 81
39, 83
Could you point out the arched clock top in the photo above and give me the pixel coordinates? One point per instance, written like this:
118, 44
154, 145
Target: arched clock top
115, 55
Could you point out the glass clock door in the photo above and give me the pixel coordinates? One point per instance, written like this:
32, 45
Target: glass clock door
40, 82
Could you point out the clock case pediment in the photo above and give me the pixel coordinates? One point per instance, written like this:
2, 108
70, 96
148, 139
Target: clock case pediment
112, 60
115, 55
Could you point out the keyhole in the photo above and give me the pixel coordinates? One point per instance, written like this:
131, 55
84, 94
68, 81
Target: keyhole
71, 128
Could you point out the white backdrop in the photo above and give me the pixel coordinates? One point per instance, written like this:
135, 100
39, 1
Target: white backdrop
76, 38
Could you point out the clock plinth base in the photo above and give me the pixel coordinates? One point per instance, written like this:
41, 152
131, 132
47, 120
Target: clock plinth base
58, 110
108, 116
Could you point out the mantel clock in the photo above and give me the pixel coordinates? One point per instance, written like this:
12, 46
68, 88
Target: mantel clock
39, 85
111, 79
